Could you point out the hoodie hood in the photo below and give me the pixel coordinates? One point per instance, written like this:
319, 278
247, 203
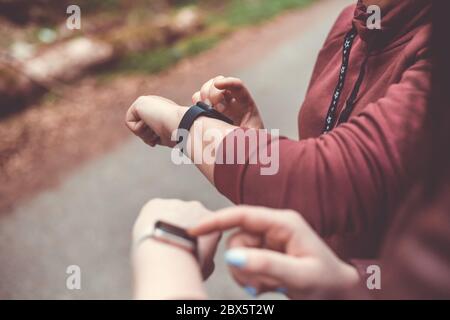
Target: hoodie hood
397, 22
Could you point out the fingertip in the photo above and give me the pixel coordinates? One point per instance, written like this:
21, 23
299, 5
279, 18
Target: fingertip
219, 83
194, 231
196, 97
251, 291
128, 125
139, 125
281, 290
236, 258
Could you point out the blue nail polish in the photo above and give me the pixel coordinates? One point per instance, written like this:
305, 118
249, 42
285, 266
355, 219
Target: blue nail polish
282, 290
251, 291
236, 258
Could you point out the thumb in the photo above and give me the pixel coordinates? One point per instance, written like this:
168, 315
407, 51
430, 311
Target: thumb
232, 84
263, 262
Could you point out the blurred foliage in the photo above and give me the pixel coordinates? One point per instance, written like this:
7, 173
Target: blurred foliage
160, 59
49, 11
254, 11
145, 36
237, 12
125, 22
223, 17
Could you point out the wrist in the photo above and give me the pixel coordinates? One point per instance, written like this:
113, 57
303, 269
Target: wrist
179, 115
162, 271
150, 249
192, 125
173, 117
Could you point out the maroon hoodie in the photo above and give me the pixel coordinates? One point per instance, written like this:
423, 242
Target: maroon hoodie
346, 182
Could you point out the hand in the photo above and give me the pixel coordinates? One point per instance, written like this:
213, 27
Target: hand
276, 250
231, 97
184, 215
154, 119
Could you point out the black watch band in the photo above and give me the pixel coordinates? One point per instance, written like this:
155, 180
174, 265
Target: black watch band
199, 110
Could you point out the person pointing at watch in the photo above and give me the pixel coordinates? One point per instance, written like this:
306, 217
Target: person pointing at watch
296, 262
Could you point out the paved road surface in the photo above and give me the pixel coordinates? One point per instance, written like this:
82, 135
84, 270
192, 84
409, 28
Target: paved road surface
86, 220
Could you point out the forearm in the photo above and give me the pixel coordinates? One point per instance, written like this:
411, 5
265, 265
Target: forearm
156, 276
203, 142
297, 181
344, 182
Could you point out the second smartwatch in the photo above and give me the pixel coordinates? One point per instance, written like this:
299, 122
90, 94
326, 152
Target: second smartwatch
172, 235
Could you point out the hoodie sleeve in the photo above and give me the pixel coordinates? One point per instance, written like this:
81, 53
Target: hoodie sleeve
343, 182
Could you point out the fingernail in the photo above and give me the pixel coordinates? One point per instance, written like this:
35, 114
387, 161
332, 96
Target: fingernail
282, 290
207, 101
236, 258
251, 291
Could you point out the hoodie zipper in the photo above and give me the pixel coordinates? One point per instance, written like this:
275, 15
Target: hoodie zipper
334, 118
350, 104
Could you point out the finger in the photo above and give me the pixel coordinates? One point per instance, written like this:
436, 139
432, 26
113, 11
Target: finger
204, 91
259, 283
241, 239
136, 126
132, 118
151, 138
196, 97
254, 284
207, 247
141, 130
140, 126
146, 134
252, 219
249, 283
234, 85
262, 283
278, 267
204, 246
216, 96
228, 96
206, 254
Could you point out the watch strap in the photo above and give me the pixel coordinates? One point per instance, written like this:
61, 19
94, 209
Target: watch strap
198, 110
171, 235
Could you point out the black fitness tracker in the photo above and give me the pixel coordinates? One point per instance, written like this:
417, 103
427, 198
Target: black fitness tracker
172, 235
199, 110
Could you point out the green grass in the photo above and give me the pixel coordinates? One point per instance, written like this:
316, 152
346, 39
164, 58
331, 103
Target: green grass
117, 5
236, 14
241, 13
162, 58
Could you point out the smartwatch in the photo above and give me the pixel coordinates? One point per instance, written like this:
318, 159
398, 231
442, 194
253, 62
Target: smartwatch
199, 110
175, 236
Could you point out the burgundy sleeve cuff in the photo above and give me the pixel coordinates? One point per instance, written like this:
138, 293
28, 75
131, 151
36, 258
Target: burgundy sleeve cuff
232, 159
